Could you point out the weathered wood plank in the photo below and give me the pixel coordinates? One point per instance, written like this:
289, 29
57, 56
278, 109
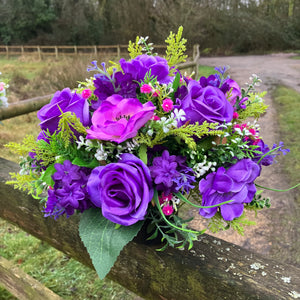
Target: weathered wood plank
213, 269
21, 285
24, 107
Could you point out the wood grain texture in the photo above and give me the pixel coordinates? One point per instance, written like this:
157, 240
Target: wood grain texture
213, 269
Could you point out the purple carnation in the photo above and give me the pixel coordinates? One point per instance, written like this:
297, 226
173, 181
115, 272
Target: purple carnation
143, 64
69, 192
63, 101
236, 183
170, 173
118, 83
205, 104
123, 190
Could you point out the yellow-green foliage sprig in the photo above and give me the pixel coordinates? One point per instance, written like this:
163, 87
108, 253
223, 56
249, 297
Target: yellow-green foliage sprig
185, 133
135, 49
217, 223
67, 122
176, 48
255, 107
28, 145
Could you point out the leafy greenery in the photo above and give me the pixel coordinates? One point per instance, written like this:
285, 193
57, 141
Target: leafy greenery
67, 123
217, 223
135, 49
254, 107
22, 149
176, 48
184, 132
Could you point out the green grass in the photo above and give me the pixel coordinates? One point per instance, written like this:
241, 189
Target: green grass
27, 67
65, 276
287, 105
206, 71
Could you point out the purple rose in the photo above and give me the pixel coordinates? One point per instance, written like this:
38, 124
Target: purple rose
119, 119
123, 190
139, 66
236, 183
63, 101
205, 104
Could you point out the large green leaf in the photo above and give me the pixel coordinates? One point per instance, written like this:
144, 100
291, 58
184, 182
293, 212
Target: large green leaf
102, 240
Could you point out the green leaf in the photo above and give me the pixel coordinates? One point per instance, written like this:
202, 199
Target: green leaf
82, 163
143, 153
102, 241
175, 86
46, 177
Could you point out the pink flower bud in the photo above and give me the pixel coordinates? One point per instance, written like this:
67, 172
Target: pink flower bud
86, 93
167, 210
235, 115
167, 105
155, 118
156, 94
146, 88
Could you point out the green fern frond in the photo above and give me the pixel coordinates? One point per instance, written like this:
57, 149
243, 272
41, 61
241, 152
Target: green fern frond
23, 182
253, 110
22, 149
188, 132
217, 223
67, 122
135, 49
238, 224
176, 48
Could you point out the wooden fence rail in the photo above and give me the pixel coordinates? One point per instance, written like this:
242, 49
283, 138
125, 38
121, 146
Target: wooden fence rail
34, 104
212, 270
57, 51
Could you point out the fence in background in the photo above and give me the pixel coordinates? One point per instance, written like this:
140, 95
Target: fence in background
59, 51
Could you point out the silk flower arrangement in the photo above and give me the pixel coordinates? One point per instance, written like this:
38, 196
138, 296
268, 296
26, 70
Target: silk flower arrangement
137, 141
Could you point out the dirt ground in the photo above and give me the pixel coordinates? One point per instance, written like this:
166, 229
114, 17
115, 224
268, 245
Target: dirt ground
277, 231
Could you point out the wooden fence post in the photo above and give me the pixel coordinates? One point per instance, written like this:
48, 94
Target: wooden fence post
39, 52
75, 50
196, 56
118, 51
6, 47
56, 52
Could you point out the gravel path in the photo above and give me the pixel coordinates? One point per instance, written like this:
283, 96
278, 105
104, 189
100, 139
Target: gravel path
277, 231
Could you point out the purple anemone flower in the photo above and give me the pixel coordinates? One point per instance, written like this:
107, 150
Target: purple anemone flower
119, 119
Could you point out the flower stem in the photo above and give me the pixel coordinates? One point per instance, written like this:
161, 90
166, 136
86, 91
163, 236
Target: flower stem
276, 190
268, 153
180, 196
166, 220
